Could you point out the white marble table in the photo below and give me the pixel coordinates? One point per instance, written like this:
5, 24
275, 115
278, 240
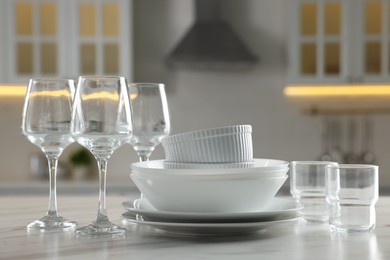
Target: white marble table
289, 241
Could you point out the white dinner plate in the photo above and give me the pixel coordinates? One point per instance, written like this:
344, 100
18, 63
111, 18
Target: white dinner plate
206, 229
279, 208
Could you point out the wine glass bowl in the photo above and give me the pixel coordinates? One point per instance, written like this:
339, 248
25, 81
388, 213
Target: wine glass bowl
101, 122
46, 123
151, 122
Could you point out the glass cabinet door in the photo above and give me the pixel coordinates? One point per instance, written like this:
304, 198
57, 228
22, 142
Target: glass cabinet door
332, 38
308, 38
374, 40
34, 43
372, 36
102, 44
319, 42
57, 38
340, 41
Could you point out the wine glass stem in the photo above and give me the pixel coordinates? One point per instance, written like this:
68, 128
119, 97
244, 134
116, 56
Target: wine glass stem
52, 209
144, 157
102, 212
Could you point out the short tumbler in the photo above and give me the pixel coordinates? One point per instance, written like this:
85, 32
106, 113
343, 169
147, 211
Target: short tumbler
308, 187
352, 192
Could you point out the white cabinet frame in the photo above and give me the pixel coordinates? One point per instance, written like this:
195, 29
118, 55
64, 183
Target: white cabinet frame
352, 44
67, 39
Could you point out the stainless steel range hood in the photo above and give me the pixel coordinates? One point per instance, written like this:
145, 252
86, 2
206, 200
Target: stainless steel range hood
210, 43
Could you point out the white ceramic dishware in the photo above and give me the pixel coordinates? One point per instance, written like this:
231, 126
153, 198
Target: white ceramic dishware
277, 209
208, 193
228, 144
207, 229
263, 167
179, 165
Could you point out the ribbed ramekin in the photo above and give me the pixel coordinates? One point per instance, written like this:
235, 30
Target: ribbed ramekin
230, 144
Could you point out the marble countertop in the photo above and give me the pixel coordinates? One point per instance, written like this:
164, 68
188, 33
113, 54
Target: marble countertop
288, 241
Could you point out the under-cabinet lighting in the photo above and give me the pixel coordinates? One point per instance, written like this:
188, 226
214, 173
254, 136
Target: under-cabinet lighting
14, 90
101, 95
336, 90
8, 90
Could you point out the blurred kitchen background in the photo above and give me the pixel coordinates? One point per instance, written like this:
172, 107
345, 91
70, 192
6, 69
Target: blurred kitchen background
286, 43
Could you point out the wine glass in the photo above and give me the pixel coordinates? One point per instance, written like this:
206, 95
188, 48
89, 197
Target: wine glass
46, 123
151, 121
101, 122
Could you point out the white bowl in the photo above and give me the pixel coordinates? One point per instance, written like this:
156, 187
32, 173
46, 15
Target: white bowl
230, 144
261, 167
219, 193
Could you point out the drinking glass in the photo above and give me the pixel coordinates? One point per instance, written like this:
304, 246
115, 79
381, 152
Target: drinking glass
101, 122
46, 123
308, 187
151, 121
352, 192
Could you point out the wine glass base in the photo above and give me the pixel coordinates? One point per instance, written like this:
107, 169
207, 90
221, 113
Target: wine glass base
101, 229
49, 223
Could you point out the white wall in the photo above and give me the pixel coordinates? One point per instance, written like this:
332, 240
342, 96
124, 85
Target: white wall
208, 99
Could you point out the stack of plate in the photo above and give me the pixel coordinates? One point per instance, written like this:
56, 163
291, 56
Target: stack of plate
210, 184
280, 211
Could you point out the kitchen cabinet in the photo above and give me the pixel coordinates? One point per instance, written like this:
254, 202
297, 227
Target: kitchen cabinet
54, 38
339, 41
